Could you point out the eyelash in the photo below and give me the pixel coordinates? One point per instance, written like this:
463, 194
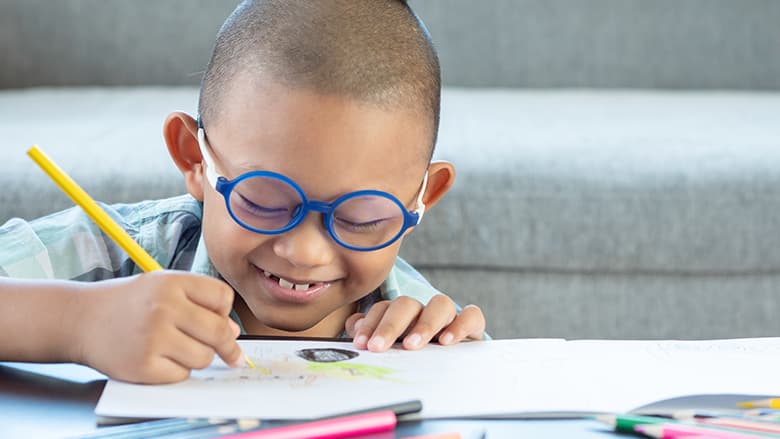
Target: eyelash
256, 209
359, 227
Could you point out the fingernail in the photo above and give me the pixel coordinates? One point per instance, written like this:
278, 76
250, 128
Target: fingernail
414, 340
377, 343
446, 338
358, 323
361, 340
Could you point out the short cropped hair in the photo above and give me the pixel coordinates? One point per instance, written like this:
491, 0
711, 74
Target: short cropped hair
376, 51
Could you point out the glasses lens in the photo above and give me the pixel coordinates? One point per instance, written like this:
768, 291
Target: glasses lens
367, 221
265, 203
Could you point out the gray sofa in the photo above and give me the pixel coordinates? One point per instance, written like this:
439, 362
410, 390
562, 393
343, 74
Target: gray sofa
618, 160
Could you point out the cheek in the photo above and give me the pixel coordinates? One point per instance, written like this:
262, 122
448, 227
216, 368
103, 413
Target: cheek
368, 270
226, 241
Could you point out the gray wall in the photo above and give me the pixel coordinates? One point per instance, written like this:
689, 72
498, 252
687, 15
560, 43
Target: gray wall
516, 43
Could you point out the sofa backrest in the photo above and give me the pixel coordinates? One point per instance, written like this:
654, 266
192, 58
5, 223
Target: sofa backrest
508, 43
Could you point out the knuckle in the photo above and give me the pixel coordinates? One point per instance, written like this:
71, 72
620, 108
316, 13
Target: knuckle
408, 301
158, 312
424, 327
442, 300
221, 329
377, 310
390, 327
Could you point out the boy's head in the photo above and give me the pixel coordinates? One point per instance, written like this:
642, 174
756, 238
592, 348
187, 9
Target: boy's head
338, 96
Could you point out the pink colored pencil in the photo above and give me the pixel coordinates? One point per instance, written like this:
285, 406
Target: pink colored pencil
679, 431
743, 424
345, 426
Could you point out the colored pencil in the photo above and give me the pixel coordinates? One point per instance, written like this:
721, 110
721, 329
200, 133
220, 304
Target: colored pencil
625, 423
769, 403
101, 218
743, 424
400, 409
154, 428
347, 426
677, 431
98, 215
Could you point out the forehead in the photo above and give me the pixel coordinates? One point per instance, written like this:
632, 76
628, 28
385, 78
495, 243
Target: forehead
330, 144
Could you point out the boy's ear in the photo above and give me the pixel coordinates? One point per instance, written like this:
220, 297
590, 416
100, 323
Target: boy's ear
441, 176
181, 135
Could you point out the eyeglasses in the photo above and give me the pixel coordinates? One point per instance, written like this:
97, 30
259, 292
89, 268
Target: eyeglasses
270, 203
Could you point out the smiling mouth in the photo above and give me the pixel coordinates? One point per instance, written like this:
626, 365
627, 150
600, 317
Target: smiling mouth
292, 285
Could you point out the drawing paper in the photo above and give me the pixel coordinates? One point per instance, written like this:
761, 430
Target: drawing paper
308, 379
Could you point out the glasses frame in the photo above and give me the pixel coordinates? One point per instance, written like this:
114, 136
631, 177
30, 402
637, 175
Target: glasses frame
225, 186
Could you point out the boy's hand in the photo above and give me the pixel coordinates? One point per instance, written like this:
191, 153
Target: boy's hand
156, 327
386, 321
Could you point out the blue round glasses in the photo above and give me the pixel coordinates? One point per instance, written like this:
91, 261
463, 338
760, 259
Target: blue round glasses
271, 203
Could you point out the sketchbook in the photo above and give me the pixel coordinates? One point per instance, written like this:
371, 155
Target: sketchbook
491, 379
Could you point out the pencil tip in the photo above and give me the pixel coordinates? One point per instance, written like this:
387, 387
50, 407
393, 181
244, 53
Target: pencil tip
606, 419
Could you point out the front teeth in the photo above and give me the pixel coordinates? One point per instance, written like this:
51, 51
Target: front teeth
284, 283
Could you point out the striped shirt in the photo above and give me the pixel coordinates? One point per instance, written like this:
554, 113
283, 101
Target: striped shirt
69, 245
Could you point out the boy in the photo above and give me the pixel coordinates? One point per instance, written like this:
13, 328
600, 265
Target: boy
308, 163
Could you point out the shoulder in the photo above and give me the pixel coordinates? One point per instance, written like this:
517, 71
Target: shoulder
167, 228
166, 211
69, 245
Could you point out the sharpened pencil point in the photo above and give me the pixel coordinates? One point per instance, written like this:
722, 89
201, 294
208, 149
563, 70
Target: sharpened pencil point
606, 419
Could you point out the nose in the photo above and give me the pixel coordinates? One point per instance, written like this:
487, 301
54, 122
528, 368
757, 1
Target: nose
307, 245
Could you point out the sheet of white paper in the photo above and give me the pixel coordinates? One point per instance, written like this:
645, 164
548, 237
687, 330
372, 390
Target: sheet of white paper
500, 377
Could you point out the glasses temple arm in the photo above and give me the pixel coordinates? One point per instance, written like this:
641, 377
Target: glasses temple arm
211, 172
420, 205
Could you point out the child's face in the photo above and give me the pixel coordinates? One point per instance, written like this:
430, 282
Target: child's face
329, 145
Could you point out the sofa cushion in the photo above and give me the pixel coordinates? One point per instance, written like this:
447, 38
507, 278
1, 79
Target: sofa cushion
684, 182
572, 181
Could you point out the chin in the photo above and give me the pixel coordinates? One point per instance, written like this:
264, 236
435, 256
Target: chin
286, 321
291, 326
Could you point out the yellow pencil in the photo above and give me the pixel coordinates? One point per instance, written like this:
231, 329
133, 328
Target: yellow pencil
770, 403
101, 218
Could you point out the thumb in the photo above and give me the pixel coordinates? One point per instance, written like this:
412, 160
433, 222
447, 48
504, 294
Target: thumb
351, 325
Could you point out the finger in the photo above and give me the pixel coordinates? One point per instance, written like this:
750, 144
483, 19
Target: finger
395, 321
351, 324
368, 323
211, 293
215, 331
439, 313
162, 370
470, 323
187, 351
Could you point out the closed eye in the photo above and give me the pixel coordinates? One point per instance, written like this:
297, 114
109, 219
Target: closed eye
259, 210
359, 227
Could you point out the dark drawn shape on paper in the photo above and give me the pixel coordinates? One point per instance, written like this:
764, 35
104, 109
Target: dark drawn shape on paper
326, 355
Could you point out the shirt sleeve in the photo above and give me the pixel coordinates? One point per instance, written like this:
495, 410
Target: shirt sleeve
64, 245
404, 280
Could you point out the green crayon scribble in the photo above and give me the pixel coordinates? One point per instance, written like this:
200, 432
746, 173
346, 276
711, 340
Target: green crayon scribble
351, 370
